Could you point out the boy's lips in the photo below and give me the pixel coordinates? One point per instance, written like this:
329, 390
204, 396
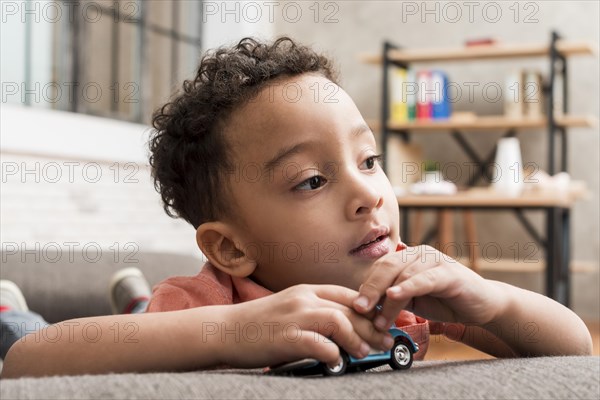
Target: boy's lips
374, 245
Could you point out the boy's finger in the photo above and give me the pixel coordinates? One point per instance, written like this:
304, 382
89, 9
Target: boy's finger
371, 291
387, 272
363, 325
394, 302
315, 345
335, 325
431, 281
389, 312
366, 330
425, 282
338, 294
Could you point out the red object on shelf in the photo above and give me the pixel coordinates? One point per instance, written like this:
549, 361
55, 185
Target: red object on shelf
480, 42
423, 110
424, 95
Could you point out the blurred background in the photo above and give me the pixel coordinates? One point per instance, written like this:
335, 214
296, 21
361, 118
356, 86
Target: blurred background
80, 80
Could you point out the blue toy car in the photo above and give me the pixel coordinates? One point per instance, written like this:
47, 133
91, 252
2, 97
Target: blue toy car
400, 356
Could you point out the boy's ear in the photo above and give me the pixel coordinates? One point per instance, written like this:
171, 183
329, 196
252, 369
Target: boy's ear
221, 246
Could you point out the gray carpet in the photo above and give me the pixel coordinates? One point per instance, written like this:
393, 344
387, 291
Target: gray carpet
75, 288
537, 378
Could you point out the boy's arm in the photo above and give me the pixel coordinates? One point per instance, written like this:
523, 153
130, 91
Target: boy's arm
530, 325
286, 326
116, 343
502, 320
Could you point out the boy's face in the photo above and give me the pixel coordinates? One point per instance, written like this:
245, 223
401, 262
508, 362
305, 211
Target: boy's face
307, 187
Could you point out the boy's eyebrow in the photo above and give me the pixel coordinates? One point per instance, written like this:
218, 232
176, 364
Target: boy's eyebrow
287, 152
284, 153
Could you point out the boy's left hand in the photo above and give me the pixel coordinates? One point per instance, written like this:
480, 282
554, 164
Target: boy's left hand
430, 284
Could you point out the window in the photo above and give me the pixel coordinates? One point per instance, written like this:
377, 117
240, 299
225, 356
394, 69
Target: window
113, 58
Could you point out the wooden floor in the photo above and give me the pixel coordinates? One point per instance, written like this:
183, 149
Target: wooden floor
441, 348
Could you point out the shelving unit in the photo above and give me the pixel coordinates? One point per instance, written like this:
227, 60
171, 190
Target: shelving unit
556, 206
484, 52
486, 123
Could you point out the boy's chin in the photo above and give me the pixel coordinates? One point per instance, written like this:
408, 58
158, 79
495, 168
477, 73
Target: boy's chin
359, 277
362, 273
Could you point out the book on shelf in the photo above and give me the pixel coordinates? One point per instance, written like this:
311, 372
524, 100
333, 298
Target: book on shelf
411, 94
513, 106
532, 94
524, 94
440, 105
418, 95
398, 95
424, 87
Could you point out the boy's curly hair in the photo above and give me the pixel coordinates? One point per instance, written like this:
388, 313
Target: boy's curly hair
188, 151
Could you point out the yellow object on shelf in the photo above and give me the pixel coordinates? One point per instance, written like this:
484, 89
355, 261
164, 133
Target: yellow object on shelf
399, 105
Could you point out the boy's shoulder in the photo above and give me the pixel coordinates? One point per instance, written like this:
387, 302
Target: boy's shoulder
210, 286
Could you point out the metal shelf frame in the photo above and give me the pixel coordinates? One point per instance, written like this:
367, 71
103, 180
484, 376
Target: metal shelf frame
557, 240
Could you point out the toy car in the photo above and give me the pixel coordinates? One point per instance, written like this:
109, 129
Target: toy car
400, 356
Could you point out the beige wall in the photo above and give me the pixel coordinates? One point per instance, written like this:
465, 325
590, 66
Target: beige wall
363, 25
88, 187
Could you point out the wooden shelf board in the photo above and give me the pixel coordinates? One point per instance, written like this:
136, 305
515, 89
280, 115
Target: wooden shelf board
533, 266
485, 197
485, 52
488, 122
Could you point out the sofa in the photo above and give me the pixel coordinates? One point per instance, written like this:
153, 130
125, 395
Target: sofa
71, 288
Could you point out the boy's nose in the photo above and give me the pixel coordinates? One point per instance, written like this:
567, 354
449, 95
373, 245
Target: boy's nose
367, 209
364, 198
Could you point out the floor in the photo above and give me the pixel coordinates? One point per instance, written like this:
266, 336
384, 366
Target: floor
443, 349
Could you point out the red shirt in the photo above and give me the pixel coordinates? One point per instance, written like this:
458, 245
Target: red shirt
214, 287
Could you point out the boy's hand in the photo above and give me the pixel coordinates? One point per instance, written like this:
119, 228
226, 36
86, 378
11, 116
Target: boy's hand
301, 322
432, 285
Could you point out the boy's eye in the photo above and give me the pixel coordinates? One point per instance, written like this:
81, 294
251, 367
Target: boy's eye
371, 162
312, 183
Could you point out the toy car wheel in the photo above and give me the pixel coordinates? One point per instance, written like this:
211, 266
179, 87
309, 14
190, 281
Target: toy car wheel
339, 369
402, 356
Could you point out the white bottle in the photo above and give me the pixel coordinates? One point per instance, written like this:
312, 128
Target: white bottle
508, 177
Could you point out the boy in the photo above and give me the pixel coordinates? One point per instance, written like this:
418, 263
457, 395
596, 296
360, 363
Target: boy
275, 168
316, 207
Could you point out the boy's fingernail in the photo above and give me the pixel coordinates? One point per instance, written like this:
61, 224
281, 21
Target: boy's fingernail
362, 302
364, 349
394, 290
380, 322
388, 342
338, 362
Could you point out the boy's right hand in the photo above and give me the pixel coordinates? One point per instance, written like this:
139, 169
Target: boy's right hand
297, 323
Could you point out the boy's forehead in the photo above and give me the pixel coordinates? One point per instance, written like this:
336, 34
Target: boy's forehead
285, 111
